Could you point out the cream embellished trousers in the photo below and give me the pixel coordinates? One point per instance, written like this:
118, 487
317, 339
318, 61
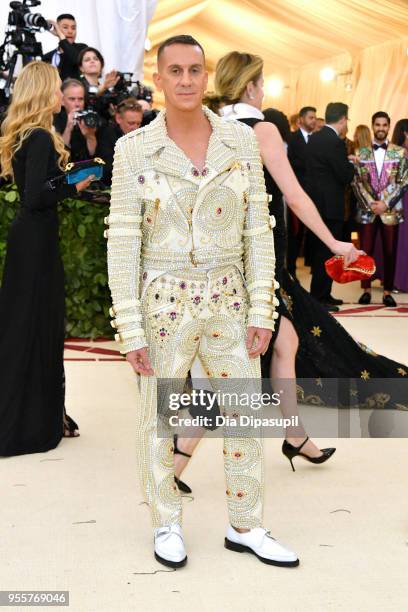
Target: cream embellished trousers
187, 315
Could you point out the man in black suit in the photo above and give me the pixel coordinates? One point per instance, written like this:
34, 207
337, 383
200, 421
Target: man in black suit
328, 173
297, 159
65, 57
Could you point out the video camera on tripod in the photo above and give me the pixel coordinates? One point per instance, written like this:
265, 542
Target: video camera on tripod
22, 25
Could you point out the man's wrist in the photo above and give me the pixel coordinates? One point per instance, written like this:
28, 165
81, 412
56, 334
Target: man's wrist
66, 136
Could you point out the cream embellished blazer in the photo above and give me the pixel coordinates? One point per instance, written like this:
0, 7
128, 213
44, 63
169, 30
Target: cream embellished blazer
167, 215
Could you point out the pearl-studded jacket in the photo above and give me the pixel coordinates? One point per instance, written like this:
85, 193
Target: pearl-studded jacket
166, 215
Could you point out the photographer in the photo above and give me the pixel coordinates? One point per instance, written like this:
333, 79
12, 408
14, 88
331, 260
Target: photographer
128, 117
80, 137
66, 56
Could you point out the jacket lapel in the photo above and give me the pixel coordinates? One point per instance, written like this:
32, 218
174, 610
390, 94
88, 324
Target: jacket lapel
221, 153
389, 158
166, 156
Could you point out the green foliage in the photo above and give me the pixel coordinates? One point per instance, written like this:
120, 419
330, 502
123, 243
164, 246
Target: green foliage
83, 250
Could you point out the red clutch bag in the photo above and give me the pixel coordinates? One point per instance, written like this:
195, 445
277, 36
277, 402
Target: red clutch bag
362, 268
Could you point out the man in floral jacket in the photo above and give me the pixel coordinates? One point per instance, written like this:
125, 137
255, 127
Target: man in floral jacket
380, 181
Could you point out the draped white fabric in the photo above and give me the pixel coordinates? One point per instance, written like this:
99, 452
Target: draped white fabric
116, 27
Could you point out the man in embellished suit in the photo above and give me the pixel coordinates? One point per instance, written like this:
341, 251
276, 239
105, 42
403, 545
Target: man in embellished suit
191, 271
380, 181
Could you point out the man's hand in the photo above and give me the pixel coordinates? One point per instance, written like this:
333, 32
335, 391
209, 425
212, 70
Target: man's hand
348, 250
353, 158
140, 362
261, 338
378, 207
56, 30
71, 120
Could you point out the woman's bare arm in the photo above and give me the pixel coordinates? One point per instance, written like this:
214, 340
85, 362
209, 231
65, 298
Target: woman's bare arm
275, 159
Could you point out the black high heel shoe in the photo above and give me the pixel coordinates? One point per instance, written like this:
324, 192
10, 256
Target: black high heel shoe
70, 428
181, 485
291, 451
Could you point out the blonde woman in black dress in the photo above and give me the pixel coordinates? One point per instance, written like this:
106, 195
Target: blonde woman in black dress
32, 382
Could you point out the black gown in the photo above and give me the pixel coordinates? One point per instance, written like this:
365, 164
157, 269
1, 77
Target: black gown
32, 381
326, 350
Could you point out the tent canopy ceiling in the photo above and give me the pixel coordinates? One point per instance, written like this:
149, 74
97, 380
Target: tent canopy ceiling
287, 34
295, 38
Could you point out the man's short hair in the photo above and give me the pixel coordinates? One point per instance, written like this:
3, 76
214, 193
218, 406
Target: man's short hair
380, 115
306, 109
128, 104
65, 16
180, 39
72, 82
336, 111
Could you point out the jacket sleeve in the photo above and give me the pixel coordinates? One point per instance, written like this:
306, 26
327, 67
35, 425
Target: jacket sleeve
342, 168
124, 251
394, 193
364, 198
296, 160
71, 50
39, 193
259, 252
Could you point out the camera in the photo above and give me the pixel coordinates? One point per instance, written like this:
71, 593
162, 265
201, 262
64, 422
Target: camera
142, 92
89, 117
20, 16
19, 40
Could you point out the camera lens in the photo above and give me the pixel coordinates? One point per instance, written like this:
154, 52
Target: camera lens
35, 20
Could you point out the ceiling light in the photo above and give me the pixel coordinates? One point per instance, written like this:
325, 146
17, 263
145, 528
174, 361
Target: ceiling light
327, 74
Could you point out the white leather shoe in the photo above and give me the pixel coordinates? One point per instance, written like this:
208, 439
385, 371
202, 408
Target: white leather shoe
259, 542
169, 546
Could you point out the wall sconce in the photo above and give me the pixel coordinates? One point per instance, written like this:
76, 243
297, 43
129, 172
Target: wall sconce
274, 87
329, 74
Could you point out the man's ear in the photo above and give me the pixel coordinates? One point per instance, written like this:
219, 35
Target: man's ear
157, 81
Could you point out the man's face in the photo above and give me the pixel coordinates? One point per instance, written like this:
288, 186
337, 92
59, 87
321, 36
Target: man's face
129, 120
308, 121
69, 28
381, 127
182, 77
73, 98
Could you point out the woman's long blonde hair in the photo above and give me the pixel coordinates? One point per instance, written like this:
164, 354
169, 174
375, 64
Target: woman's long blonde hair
232, 74
32, 106
362, 137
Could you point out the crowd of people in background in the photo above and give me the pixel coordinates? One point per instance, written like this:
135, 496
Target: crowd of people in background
96, 110
357, 185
